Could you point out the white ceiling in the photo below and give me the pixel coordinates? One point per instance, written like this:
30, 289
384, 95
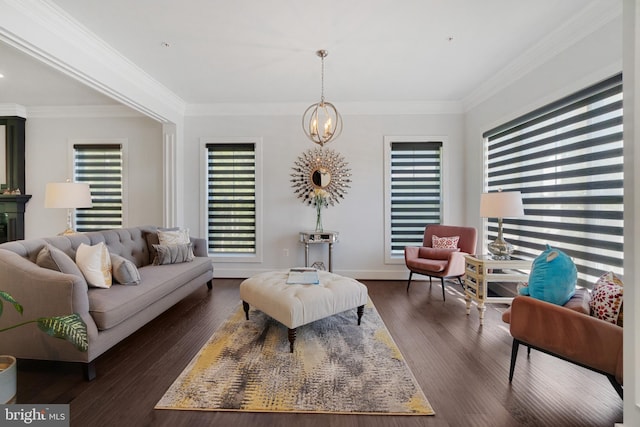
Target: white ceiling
259, 51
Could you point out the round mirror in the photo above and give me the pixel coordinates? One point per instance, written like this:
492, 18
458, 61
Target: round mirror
321, 168
321, 177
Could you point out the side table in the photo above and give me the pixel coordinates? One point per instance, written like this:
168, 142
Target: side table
482, 269
313, 237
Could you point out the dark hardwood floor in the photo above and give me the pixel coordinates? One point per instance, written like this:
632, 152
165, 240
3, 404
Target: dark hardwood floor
461, 367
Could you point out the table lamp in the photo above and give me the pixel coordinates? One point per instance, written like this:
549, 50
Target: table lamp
501, 204
67, 195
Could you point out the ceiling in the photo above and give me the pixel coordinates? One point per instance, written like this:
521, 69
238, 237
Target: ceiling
263, 51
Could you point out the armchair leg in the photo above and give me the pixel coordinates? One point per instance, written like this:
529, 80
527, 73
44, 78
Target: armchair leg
409, 282
442, 282
514, 356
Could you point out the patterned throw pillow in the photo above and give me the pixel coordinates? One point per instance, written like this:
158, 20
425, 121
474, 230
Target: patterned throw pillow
174, 237
606, 299
95, 264
173, 254
444, 242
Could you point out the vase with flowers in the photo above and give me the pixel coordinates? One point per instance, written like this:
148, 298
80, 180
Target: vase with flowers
319, 199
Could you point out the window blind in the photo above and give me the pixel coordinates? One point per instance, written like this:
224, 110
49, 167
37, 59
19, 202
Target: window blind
231, 195
566, 158
100, 166
415, 192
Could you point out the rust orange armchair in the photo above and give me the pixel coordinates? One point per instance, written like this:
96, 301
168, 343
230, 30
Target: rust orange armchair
441, 262
567, 332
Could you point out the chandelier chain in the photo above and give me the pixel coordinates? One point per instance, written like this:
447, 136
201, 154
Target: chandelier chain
322, 81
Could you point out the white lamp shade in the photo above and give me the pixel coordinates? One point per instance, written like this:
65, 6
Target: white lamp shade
67, 195
503, 204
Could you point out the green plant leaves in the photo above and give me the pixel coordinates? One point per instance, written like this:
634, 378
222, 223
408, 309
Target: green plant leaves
8, 298
71, 328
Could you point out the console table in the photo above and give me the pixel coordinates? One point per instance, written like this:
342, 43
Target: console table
482, 269
313, 237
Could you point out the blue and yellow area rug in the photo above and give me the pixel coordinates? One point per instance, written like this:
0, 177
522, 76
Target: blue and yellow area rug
336, 367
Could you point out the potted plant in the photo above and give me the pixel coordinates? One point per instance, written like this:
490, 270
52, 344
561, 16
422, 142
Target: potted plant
70, 327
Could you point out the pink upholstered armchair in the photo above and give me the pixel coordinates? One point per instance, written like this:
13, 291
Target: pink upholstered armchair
439, 262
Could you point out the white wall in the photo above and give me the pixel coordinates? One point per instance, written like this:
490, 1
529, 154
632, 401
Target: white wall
358, 218
47, 160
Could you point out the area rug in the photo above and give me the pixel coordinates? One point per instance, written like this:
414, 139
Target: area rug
336, 367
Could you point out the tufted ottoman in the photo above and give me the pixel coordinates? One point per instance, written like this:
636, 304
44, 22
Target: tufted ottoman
297, 305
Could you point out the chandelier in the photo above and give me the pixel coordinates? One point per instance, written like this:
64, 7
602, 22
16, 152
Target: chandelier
321, 122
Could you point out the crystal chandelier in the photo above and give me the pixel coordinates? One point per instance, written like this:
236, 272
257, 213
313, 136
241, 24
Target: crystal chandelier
321, 122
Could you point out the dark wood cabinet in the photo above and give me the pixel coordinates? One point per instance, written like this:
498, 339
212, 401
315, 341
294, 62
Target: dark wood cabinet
12, 206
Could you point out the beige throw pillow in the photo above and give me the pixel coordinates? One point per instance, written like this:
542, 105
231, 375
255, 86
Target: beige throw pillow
173, 237
55, 259
95, 264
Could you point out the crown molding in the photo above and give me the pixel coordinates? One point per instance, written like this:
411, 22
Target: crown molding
590, 19
346, 108
83, 111
44, 31
13, 110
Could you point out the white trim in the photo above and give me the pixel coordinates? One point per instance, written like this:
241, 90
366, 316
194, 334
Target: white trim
387, 140
13, 110
46, 32
591, 18
169, 185
346, 108
232, 258
82, 111
124, 143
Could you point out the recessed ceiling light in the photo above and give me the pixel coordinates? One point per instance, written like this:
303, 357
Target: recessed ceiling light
1, 75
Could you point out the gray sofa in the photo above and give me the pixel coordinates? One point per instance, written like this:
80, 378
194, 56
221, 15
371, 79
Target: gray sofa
110, 314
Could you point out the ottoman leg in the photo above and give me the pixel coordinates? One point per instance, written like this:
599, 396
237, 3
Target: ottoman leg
245, 305
292, 338
360, 312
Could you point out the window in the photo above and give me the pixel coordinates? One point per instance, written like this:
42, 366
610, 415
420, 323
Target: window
566, 159
414, 187
100, 166
231, 198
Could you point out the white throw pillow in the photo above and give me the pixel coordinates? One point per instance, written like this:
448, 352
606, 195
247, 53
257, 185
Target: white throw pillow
95, 264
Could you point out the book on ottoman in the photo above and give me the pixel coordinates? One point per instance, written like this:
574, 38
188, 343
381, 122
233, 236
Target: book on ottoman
303, 276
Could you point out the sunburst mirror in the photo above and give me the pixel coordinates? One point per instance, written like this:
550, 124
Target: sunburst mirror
320, 168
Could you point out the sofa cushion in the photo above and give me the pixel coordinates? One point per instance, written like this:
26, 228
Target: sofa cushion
433, 253
54, 259
432, 265
578, 302
109, 307
95, 264
124, 271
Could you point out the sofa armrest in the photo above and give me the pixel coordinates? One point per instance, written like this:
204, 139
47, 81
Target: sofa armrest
199, 246
41, 291
575, 336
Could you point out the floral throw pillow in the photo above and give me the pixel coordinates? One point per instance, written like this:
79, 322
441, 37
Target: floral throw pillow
606, 299
444, 242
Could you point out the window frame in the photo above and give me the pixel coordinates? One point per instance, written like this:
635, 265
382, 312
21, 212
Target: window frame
256, 257
124, 143
389, 257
